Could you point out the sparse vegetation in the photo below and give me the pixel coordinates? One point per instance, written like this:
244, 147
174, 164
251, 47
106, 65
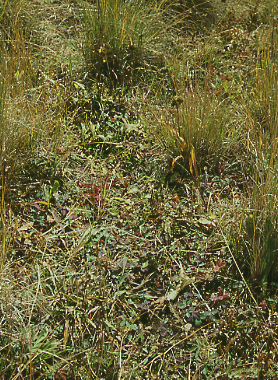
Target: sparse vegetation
138, 221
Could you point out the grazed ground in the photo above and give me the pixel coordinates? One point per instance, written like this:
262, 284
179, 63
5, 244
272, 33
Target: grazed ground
114, 268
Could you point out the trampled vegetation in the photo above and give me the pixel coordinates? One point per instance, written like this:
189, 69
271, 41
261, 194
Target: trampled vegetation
139, 189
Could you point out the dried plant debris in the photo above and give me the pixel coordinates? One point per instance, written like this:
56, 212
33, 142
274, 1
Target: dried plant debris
138, 191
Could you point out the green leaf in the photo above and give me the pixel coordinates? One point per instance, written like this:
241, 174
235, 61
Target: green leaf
55, 187
145, 264
113, 212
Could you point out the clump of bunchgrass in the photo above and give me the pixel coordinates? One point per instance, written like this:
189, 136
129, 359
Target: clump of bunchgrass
22, 104
261, 228
120, 37
196, 125
261, 222
16, 77
12, 80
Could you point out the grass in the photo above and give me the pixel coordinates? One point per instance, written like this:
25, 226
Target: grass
196, 120
120, 38
138, 190
262, 128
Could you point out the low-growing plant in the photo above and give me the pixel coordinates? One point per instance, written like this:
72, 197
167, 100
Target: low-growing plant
110, 273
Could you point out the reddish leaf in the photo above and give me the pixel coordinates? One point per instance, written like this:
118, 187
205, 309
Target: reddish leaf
219, 264
84, 185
